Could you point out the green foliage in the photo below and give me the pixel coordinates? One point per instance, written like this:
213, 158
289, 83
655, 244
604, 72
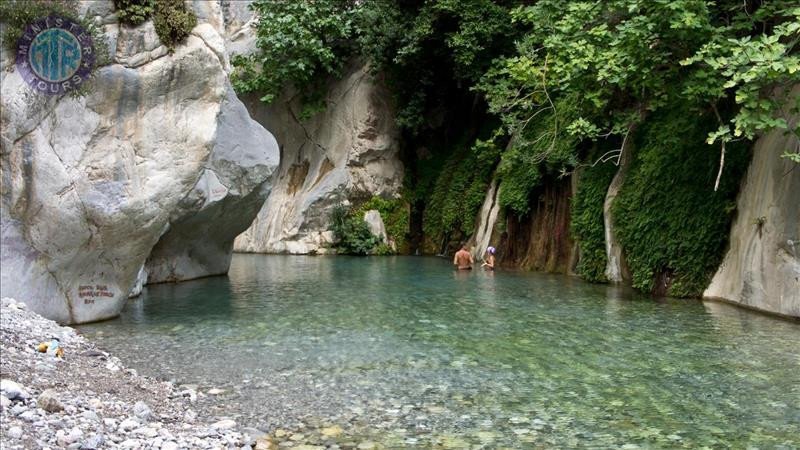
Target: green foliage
299, 43
586, 220
751, 66
519, 173
792, 156
668, 217
459, 190
173, 21
538, 147
616, 59
559, 77
18, 14
133, 12
394, 213
351, 232
431, 48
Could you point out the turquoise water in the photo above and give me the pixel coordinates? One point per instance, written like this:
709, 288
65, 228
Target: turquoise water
405, 352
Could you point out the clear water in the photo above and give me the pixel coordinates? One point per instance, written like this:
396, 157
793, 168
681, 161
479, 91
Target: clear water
405, 352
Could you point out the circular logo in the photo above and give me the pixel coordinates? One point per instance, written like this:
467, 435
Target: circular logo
55, 54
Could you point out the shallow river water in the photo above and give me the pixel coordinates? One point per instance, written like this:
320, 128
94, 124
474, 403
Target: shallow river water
405, 352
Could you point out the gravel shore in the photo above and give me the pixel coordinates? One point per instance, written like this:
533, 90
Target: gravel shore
88, 399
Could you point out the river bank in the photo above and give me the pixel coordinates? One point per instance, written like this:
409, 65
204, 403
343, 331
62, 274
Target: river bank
88, 399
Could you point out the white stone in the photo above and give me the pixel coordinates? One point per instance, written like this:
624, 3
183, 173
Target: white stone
129, 424
375, 223
138, 285
4, 402
15, 432
224, 424
13, 390
74, 435
169, 445
147, 432
142, 411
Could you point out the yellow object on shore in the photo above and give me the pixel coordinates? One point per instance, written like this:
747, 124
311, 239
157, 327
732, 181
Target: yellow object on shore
51, 347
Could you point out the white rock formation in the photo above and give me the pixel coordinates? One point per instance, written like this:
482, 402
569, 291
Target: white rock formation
157, 149
375, 224
348, 151
616, 265
138, 285
223, 202
487, 218
762, 266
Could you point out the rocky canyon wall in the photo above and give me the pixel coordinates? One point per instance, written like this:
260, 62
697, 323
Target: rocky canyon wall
537, 241
761, 269
346, 153
157, 162
540, 240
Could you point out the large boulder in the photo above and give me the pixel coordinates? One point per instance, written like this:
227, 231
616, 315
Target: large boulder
223, 202
375, 224
159, 153
346, 153
761, 269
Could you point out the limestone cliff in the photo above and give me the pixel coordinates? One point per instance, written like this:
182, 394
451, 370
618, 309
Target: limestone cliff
485, 231
348, 151
159, 153
761, 269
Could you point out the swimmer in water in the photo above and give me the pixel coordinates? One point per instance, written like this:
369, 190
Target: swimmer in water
463, 260
488, 261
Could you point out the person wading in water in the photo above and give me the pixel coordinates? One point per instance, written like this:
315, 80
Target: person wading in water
463, 260
488, 263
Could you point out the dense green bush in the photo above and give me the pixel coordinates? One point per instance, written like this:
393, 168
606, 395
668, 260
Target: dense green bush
431, 49
586, 220
133, 12
669, 219
459, 191
351, 232
173, 21
16, 15
299, 43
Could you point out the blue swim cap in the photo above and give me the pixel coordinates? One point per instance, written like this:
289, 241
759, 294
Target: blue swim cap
490, 250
